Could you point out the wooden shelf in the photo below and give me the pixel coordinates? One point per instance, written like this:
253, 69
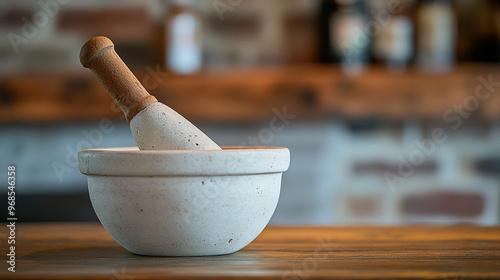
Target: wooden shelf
309, 91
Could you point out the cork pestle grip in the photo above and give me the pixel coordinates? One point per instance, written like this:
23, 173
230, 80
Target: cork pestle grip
98, 54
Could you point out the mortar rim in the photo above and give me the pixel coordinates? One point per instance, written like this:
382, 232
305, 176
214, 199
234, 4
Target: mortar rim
231, 160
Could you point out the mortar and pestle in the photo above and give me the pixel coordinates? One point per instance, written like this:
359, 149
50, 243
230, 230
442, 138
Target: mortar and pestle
178, 193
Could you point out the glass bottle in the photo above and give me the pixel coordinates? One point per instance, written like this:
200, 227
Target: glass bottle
436, 36
394, 43
183, 31
348, 35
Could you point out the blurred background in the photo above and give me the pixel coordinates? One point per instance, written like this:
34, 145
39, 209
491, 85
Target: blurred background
390, 108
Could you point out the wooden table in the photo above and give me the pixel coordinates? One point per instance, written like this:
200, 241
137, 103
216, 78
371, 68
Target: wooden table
86, 251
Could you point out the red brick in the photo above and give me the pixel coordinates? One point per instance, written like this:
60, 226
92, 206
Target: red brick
121, 22
448, 203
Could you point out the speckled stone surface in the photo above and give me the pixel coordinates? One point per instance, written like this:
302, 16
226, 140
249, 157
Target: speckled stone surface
158, 127
184, 203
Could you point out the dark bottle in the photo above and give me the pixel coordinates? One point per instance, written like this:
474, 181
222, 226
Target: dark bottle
345, 34
393, 41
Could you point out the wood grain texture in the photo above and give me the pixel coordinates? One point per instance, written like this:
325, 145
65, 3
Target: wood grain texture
86, 251
98, 54
249, 95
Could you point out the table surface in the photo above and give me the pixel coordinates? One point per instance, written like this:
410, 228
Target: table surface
86, 251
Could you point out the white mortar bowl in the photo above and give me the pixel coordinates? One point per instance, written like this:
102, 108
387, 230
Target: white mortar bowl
184, 203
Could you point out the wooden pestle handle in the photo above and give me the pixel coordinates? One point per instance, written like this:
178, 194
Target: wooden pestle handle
99, 55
